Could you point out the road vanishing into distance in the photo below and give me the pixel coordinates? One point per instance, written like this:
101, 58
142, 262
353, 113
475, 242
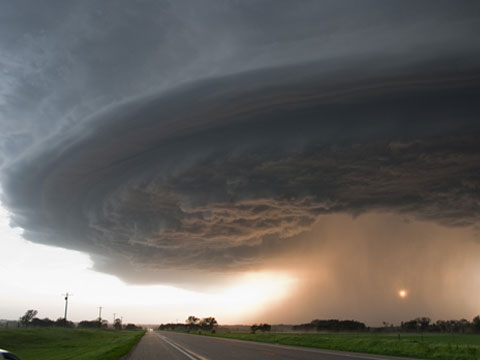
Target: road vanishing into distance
163, 345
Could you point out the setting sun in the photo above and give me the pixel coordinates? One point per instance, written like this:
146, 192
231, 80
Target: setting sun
402, 293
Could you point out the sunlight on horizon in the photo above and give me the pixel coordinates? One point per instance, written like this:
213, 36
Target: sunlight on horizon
35, 276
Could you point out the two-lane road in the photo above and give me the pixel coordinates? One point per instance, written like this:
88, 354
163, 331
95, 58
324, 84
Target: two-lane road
164, 345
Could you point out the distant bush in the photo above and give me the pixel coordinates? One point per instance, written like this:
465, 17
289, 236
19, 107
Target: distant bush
46, 322
261, 327
132, 327
42, 322
60, 322
92, 324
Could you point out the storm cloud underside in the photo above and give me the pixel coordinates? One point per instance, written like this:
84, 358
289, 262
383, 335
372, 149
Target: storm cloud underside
227, 162
207, 177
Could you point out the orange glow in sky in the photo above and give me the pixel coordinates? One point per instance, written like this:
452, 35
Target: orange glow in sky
402, 293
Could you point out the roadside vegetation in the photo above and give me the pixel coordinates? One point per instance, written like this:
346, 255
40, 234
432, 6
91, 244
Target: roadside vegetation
418, 338
55, 343
426, 346
32, 338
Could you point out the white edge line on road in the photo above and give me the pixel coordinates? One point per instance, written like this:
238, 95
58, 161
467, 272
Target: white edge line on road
179, 348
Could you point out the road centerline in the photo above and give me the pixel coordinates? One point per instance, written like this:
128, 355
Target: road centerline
187, 352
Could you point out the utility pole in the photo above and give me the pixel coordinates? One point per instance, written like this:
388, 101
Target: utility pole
67, 295
113, 324
100, 313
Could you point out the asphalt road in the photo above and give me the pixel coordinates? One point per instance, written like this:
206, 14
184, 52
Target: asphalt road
164, 345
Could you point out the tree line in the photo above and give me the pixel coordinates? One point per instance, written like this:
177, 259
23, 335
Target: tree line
29, 319
425, 324
331, 325
419, 324
192, 323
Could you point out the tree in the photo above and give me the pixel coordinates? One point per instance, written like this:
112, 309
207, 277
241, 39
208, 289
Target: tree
28, 317
208, 323
60, 322
423, 323
117, 324
411, 325
90, 324
441, 325
132, 327
265, 327
192, 320
42, 322
463, 325
261, 327
476, 323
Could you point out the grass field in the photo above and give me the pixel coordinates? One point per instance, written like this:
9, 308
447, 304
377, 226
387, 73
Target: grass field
63, 344
428, 346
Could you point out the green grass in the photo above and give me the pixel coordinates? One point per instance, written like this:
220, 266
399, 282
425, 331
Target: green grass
428, 346
63, 344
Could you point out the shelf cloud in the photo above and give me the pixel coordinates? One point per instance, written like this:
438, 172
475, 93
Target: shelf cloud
219, 140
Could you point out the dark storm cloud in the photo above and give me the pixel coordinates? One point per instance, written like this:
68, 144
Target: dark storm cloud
250, 131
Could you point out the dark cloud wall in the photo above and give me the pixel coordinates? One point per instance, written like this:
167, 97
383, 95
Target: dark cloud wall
168, 137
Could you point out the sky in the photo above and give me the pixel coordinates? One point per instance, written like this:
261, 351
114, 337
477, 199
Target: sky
255, 161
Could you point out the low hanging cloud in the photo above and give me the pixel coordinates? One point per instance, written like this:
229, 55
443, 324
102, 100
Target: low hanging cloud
229, 160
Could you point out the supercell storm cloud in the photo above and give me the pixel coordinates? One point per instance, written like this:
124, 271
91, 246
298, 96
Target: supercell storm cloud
219, 153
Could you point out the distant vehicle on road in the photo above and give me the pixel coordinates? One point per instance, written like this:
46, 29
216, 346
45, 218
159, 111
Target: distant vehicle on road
6, 355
